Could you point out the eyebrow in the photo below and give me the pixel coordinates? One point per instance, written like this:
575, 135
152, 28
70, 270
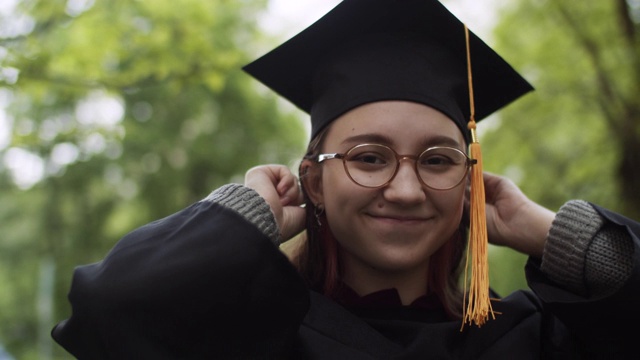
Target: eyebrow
429, 141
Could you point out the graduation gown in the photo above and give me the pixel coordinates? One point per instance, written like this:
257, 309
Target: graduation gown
205, 283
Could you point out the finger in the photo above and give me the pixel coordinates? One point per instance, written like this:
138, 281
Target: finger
293, 221
299, 200
293, 196
289, 190
264, 179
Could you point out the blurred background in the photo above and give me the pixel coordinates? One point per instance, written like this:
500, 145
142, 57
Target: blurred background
114, 113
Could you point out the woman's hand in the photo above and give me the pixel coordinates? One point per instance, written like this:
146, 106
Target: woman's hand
279, 187
514, 220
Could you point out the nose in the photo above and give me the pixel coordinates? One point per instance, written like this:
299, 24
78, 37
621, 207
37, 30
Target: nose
405, 187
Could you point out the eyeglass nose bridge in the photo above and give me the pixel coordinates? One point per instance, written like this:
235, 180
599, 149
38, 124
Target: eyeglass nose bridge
406, 157
399, 159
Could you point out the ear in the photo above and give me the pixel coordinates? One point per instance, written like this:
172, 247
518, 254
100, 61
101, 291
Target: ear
311, 180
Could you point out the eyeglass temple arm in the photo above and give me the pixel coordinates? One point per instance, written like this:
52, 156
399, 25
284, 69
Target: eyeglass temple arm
323, 157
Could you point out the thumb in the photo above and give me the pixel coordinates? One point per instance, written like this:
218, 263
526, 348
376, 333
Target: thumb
293, 221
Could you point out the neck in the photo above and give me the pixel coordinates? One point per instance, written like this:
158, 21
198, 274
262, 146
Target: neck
410, 284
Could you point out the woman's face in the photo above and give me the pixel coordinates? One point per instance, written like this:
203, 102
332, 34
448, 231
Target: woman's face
395, 228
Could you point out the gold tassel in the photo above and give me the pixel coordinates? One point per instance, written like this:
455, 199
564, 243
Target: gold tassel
477, 305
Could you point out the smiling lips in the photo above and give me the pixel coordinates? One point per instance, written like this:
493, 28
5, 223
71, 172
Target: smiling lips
400, 225
399, 218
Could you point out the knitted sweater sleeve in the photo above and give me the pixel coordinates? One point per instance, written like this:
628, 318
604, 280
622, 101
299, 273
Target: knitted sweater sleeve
248, 203
586, 254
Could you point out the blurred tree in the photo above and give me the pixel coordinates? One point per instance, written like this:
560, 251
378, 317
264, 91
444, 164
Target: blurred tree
578, 135
127, 111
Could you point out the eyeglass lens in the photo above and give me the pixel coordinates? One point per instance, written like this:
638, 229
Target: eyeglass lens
374, 165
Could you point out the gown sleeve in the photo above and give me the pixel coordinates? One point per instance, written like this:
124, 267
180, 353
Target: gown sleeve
204, 283
589, 278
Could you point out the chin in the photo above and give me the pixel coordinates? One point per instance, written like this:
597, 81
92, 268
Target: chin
396, 264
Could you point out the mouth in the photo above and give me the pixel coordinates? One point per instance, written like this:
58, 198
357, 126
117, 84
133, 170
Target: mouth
399, 226
400, 219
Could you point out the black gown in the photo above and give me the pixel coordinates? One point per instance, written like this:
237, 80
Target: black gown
205, 283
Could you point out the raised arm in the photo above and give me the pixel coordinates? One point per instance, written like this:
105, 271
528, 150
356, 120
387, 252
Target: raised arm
205, 282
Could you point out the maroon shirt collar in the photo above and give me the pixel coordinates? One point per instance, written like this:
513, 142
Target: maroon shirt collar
387, 298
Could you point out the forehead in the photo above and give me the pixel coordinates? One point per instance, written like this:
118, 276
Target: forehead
396, 123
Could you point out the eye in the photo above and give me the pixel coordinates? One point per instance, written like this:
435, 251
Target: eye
441, 158
436, 160
371, 158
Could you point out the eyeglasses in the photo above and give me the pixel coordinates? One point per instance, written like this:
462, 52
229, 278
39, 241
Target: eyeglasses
374, 165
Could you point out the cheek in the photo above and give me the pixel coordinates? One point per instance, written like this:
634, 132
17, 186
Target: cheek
343, 199
336, 185
331, 192
450, 203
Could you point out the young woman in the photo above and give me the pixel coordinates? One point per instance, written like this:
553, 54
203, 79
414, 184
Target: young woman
373, 267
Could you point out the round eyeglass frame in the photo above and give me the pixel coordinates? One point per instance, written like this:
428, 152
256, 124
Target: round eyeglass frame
343, 156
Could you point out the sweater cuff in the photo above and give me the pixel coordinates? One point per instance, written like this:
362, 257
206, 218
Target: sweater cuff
564, 256
250, 205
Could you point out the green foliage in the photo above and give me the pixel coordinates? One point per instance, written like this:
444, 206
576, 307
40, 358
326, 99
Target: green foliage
135, 109
561, 141
557, 141
564, 140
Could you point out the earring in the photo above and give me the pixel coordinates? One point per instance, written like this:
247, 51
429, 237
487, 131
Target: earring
319, 210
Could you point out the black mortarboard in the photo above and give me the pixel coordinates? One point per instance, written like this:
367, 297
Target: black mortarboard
370, 50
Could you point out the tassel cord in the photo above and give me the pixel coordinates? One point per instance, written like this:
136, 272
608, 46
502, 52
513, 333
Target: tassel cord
477, 305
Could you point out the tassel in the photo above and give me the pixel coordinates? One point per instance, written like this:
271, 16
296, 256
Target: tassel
477, 305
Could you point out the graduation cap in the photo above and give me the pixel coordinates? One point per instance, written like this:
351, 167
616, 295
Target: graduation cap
370, 50
364, 51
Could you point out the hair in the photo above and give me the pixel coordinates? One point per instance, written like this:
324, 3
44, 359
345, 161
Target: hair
318, 262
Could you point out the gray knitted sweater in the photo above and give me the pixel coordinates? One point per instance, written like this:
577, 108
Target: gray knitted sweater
583, 253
